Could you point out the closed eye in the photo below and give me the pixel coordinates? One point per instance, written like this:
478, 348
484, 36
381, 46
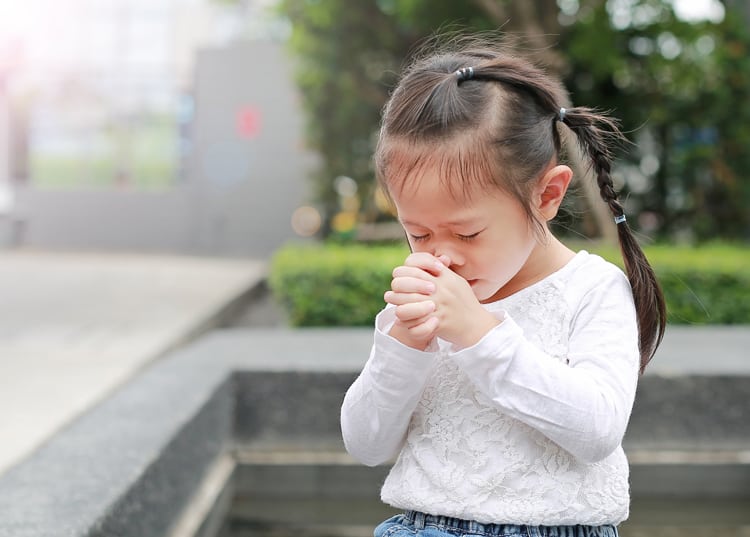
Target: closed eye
469, 237
418, 238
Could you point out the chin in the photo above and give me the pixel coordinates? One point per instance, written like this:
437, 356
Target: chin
486, 293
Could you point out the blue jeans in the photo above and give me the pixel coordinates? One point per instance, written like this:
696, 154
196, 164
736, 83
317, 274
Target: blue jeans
413, 524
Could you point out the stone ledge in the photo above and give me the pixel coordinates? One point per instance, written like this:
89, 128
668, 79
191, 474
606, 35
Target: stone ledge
129, 465
120, 469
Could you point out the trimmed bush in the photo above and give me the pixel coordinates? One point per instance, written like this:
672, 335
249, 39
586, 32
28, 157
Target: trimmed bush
333, 285
703, 285
338, 285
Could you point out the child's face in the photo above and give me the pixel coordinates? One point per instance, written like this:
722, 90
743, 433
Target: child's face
488, 237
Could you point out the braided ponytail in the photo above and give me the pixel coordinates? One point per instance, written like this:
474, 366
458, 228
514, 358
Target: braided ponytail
456, 96
596, 133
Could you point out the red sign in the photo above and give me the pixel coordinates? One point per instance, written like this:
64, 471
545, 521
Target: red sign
248, 122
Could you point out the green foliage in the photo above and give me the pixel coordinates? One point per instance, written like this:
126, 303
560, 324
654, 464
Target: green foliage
706, 285
681, 88
707, 297
349, 54
335, 285
147, 147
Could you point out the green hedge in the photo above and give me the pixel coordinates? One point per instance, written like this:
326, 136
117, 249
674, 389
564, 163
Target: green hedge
333, 285
343, 285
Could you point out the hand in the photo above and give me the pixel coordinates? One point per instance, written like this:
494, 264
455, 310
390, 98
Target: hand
461, 319
411, 289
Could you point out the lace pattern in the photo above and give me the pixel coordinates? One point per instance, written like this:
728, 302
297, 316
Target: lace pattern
468, 459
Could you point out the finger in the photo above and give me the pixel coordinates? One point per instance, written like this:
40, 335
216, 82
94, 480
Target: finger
412, 285
426, 329
426, 262
398, 299
413, 272
415, 310
410, 323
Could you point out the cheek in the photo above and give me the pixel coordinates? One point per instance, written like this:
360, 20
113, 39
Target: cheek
507, 259
508, 263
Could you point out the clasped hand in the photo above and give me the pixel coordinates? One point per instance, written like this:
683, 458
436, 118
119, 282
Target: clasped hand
433, 301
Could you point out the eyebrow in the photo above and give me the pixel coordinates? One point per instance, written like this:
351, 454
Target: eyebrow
464, 222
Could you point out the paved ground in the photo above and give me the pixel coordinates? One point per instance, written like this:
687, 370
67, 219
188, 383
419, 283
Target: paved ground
75, 326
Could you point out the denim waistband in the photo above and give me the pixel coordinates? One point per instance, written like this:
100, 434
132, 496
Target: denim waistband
443, 523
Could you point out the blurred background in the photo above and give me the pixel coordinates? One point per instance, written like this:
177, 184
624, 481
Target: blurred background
191, 125
168, 167
675, 72
147, 126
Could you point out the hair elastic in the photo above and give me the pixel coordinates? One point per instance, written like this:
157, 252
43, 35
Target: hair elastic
620, 219
561, 114
465, 73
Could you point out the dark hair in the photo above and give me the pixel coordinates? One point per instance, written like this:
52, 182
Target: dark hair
496, 126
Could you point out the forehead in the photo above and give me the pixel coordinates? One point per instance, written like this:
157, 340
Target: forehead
427, 201
457, 169
427, 188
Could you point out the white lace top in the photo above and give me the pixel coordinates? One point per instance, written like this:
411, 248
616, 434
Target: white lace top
525, 427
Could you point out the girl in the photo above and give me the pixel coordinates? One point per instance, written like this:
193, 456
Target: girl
504, 366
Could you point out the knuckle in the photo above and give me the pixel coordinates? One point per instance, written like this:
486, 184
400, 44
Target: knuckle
418, 331
415, 258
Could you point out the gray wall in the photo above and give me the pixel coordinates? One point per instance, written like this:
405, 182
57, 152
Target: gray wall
238, 194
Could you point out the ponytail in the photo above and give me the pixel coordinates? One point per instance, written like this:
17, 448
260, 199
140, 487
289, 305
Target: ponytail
445, 95
596, 134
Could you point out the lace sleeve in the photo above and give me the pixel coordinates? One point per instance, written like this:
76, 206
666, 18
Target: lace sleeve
581, 400
378, 406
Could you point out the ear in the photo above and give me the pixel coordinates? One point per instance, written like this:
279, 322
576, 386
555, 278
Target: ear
551, 190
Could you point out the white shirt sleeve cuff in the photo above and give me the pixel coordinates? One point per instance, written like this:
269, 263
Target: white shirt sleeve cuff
383, 324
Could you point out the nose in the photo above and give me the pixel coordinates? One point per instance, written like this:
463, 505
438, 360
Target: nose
457, 259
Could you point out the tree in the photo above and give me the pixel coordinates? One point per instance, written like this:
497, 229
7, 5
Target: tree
349, 56
680, 88
682, 91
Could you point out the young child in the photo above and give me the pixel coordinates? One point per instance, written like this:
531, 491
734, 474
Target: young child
504, 366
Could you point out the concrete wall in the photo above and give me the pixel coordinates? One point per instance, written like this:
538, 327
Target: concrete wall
248, 185
241, 185
271, 399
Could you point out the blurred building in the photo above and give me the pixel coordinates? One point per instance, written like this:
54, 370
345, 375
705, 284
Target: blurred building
168, 125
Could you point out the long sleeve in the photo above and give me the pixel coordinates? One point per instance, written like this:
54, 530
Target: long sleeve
378, 406
582, 403
525, 426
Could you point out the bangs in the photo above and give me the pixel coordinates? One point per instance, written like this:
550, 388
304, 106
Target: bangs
464, 167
